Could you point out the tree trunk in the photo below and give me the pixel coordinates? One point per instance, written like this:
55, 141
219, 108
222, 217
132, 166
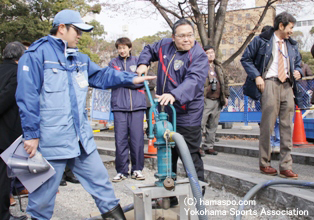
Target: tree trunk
211, 21
199, 22
220, 22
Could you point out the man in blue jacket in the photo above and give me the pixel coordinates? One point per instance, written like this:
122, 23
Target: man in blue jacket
272, 62
53, 80
128, 105
182, 70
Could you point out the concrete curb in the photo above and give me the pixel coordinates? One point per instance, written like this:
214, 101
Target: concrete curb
220, 134
110, 137
300, 158
238, 183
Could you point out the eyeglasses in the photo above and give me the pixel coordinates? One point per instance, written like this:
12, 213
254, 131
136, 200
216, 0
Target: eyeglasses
182, 36
78, 31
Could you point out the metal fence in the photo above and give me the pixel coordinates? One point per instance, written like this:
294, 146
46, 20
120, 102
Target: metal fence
240, 108
100, 104
244, 109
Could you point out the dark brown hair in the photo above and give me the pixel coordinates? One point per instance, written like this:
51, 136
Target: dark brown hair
123, 41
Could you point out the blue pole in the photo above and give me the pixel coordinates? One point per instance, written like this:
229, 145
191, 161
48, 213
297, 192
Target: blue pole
246, 118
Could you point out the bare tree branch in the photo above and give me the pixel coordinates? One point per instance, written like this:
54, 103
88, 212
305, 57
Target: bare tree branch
162, 12
181, 10
160, 7
250, 36
199, 22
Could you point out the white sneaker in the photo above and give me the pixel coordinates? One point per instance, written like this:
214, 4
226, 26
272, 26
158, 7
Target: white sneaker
119, 177
276, 149
137, 174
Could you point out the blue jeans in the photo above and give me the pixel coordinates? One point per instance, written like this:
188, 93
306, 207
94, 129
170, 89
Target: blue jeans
91, 173
275, 140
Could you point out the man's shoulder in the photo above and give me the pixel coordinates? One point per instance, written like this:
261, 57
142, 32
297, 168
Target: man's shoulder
37, 44
166, 42
197, 49
83, 57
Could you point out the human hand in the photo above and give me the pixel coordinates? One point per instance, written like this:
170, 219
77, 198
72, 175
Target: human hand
260, 83
142, 69
31, 146
140, 79
226, 102
165, 98
296, 74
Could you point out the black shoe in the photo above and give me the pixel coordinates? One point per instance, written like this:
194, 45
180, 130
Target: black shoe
202, 153
23, 217
72, 179
173, 201
116, 213
63, 182
211, 151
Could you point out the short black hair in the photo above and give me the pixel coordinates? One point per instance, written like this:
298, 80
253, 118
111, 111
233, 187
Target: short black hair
26, 43
312, 50
208, 47
123, 41
285, 18
266, 28
180, 22
54, 29
13, 51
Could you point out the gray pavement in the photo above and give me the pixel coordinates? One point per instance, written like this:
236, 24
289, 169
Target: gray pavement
230, 176
73, 202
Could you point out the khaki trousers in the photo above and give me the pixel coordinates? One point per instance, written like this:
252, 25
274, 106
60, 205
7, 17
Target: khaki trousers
210, 121
277, 99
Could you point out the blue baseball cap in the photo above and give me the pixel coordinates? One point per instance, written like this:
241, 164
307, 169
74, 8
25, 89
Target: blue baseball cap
71, 17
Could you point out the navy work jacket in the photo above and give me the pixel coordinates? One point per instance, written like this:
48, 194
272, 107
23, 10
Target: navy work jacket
185, 73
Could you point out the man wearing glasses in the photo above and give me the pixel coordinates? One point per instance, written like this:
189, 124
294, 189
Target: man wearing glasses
53, 80
182, 70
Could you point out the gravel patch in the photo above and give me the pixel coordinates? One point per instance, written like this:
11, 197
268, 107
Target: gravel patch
73, 202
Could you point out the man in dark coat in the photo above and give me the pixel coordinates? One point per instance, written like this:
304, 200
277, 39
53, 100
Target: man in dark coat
312, 52
10, 124
272, 62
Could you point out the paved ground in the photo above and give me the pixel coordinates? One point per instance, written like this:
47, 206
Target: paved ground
74, 203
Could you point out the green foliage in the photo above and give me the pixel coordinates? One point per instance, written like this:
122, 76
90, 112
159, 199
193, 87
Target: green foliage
84, 45
298, 36
308, 59
139, 43
98, 29
29, 20
312, 31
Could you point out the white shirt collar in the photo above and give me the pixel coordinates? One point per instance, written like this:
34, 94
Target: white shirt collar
277, 39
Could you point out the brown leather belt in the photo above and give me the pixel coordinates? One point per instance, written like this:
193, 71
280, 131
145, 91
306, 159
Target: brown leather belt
276, 79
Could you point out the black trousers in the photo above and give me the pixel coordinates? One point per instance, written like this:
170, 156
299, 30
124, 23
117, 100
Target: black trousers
5, 184
67, 172
193, 138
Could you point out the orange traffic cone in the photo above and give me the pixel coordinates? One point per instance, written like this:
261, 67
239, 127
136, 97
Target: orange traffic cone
152, 151
299, 136
103, 122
